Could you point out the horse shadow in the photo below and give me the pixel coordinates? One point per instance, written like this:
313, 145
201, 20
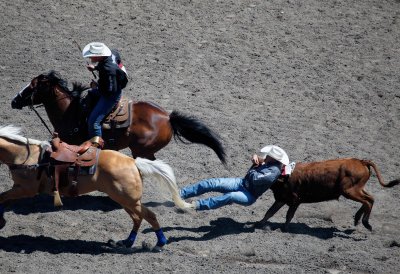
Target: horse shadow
44, 204
29, 244
228, 226
217, 228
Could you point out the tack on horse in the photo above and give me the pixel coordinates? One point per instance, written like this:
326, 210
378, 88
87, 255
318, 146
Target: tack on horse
323, 181
117, 175
150, 130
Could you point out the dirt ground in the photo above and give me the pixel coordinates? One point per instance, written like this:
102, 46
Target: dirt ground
319, 78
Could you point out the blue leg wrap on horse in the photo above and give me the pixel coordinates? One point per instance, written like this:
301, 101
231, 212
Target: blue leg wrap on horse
1, 210
161, 238
131, 239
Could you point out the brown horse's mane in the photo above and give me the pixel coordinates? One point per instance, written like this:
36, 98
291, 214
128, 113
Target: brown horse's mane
77, 88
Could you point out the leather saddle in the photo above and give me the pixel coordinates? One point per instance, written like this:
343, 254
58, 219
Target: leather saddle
119, 116
63, 156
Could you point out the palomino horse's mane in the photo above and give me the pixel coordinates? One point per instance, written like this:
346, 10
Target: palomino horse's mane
14, 133
55, 78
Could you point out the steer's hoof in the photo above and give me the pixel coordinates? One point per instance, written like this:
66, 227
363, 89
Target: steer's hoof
2, 223
367, 226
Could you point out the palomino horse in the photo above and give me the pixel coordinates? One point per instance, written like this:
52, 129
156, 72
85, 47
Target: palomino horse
117, 175
150, 130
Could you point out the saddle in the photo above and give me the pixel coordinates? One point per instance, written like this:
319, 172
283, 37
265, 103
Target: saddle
63, 156
119, 116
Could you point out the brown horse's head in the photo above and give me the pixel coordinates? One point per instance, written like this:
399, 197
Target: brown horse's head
61, 104
46, 88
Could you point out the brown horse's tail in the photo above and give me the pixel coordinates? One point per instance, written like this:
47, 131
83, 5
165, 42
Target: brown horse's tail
194, 131
369, 163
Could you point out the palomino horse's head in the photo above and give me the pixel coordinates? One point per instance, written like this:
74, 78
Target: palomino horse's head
46, 89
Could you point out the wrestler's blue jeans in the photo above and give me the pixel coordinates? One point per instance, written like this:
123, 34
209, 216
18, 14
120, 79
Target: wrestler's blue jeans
233, 189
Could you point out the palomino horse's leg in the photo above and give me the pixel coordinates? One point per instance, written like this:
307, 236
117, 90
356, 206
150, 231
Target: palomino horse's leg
137, 213
137, 220
150, 217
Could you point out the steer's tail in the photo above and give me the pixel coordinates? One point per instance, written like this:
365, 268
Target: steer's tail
369, 163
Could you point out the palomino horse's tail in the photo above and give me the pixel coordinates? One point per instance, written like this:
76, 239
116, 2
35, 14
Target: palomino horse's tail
369, 163
164, 174
195, 131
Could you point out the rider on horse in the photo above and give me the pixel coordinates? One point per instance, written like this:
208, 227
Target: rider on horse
112, 79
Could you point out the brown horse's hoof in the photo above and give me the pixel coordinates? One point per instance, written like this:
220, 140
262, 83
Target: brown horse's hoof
2, 222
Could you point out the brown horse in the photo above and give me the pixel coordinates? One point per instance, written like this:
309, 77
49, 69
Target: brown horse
117, 175
150, 130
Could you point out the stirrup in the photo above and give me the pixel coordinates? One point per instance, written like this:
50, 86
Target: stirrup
97, 142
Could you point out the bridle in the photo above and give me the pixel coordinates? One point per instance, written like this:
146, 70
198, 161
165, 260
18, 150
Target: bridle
32, 107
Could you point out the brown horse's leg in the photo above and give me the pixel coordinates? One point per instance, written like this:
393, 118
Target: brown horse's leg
138, 152
359, 195
271, 212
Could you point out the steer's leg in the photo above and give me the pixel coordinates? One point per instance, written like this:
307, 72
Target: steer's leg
271, 212
370, 199
289, 215
358, 215
359, 195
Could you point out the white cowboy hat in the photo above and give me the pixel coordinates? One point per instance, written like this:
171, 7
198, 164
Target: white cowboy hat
275, 152
96, 49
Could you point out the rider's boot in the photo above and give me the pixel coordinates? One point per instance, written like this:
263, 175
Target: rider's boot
97, 142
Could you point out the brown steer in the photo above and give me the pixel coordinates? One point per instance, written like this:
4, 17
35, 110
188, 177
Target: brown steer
322, 181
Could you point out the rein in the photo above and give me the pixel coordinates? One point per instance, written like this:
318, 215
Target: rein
41, 119
31, 106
